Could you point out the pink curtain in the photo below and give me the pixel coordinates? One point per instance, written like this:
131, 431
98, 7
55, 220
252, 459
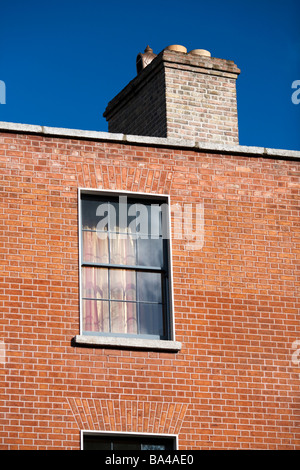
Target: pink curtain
122, 311
95, 249
99, 285
95, 286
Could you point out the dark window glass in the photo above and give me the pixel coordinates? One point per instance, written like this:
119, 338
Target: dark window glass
150, 252
151, 319
97, 442
149, 286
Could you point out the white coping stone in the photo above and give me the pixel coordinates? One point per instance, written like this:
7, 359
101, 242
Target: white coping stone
147, 140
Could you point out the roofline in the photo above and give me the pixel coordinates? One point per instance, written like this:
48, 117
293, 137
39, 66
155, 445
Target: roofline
198, 146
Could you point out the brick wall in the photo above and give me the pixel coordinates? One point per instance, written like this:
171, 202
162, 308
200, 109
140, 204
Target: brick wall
179, 96
234, 384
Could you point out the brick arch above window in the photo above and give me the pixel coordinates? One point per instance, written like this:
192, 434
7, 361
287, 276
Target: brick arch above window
128, 416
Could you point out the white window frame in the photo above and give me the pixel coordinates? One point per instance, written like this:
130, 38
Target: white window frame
127, 342
125, 434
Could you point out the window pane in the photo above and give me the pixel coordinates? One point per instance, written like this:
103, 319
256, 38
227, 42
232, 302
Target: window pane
156, 220
119, 221
123, 317
151, 319
95, 283
149, 286
114, 222
122, 284
95, 247
150, 252
126, 445
88, 212
152, 447
122, 250
99, 213
95, 316
139, 219
96, 443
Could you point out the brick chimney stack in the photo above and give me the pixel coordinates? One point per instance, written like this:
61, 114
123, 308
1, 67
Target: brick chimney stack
179, 95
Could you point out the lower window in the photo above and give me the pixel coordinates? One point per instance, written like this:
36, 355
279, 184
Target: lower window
129, 442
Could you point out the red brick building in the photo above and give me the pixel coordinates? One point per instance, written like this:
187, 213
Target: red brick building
109, 335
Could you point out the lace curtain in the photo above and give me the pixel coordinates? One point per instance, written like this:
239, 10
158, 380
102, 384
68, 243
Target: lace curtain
101, 285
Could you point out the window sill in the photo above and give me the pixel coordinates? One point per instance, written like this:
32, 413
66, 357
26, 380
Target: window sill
126, 343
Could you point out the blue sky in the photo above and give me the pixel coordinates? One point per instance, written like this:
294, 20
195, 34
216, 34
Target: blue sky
63, 61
